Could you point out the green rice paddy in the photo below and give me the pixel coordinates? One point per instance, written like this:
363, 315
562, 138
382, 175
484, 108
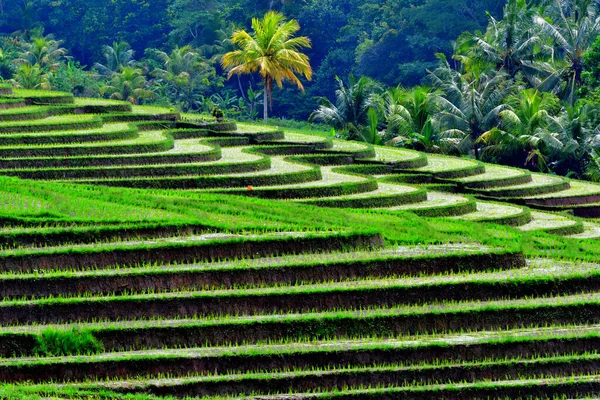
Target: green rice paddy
149, 255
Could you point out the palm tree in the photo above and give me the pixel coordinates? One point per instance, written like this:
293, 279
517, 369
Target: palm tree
572, 27
182, 60
580, 137
6, 67
223, 45
186, 73
29, 19
511, 44
119, 55
350, 113
272, 51
408, 111
410, 117
370, 134
525, 136
44, 51
30, 77
472, 104
593, 168
129, 84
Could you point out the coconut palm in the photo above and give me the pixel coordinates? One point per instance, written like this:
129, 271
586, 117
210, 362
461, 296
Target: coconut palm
30, 77
525, 136
350, 113
129, 84
370, 133
223, 45
511, 44
6, 65
272, 51
182, 60
44, 51
593, 167
572, 27
119, 55
576, 129
473, 104
29, 19
407, 111
186, 74
410, 117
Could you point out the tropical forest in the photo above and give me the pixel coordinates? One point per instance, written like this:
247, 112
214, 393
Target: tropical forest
299, 199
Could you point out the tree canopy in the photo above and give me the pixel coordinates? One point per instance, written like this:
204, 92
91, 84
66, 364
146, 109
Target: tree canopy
392, 41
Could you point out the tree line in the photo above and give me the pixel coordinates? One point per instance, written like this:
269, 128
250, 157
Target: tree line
524, 92
389, 40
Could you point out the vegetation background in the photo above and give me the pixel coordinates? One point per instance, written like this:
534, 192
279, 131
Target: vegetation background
393, 41
513, 82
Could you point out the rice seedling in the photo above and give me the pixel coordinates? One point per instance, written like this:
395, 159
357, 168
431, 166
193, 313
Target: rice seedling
188, 276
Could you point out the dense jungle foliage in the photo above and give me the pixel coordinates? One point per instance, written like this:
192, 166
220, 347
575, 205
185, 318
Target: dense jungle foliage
512, 82
392, 41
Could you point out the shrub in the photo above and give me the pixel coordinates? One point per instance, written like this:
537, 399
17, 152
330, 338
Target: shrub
55, 342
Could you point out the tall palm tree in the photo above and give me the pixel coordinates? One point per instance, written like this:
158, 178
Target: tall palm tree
576, 129
129, 84
119, 55
511, 44
272, 51
350, 113
29, 23
472, 104
223, 45
572, 27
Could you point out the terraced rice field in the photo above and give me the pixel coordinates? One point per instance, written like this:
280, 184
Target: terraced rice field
148, 255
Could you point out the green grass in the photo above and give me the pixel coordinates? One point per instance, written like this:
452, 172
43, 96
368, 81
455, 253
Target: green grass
441, 164
53, 342
494, 172
421, 254
392, 155
25, 93
81, 101
409, 349
144, 137
540, 184
447, 317
350, 147
490, 212
152, 110
372, 291
548, 221
14, 112
112, 257
355, 377
435, 199
35, 392
55, 123
577, 189
384, 195
591, 231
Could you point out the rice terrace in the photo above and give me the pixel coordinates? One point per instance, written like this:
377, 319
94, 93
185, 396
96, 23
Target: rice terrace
162, 236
